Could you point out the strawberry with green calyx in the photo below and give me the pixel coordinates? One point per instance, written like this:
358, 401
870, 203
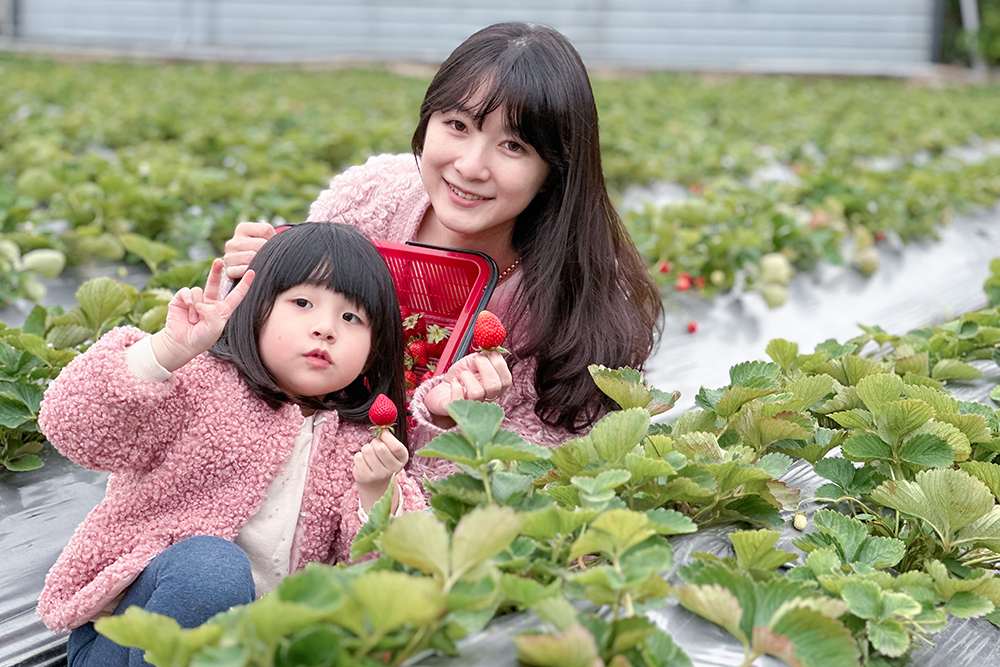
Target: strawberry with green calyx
488, 333
383, 414
414, 326
417, 350
437, 339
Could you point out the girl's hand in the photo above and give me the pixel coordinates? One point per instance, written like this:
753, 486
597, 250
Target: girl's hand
475, 377
195, 319
247, 240
375, 465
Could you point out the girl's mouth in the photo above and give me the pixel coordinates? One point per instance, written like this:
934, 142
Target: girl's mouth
468, 196
319, 356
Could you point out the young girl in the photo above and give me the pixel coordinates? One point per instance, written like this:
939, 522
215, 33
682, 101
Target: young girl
237, 438
508, 163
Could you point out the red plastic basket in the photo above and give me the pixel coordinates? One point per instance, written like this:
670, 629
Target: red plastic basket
448, 286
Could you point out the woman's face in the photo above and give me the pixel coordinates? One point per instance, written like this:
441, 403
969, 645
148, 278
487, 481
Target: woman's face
478, 180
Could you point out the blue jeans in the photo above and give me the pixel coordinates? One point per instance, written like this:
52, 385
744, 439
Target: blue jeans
190, 582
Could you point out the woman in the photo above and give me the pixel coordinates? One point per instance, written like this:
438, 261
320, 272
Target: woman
506, 161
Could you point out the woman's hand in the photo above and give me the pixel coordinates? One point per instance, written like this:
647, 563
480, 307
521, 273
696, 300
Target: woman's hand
475, 377
247, 240
195, 319
375, 465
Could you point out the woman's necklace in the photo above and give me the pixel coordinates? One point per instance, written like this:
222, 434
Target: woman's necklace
508, 270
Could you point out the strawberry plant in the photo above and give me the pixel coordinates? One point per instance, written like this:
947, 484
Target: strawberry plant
33, 355
907, 540
95, 152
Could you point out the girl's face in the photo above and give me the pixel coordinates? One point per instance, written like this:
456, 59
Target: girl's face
478, 180
315, 341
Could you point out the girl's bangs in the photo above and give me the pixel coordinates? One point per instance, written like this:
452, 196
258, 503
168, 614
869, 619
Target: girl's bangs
340, 263
339, 274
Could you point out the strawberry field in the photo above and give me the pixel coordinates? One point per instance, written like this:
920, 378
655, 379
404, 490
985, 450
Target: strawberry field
822, 505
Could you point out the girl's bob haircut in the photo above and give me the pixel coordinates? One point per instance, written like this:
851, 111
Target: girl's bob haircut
585, 295
339, 258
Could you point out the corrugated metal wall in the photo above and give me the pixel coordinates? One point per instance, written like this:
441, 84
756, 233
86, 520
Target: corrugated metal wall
889, 36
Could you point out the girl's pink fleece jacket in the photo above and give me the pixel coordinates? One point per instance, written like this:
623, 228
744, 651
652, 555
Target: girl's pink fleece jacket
190, 456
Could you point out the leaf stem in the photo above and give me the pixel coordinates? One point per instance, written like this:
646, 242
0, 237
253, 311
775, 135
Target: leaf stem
411, 646
485, 472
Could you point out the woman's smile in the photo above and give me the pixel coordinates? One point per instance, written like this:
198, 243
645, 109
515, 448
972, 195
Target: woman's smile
464, 194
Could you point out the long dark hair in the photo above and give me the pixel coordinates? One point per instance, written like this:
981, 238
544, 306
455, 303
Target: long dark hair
339, 258
585, 294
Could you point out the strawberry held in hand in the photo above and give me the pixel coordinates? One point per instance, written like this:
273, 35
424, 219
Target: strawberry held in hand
383, 414
488, 333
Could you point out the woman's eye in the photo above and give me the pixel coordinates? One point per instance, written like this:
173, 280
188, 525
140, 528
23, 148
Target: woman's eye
457, 125
301, 303
514, 146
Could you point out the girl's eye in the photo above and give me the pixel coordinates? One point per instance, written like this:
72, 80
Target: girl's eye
301, 303
353, 317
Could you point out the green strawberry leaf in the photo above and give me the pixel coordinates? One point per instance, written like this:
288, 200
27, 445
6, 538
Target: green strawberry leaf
949, 500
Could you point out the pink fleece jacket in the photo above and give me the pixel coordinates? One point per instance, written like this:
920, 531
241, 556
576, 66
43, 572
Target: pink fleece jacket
193, 455
385, 200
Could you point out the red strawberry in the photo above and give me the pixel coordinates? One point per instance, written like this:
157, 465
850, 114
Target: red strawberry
404, 312
692, 326
665, 266
699, 282
437, 339
880, 236
411, 378
418, 350
426, 376
683, 283
383, 414
414, 326
488, 332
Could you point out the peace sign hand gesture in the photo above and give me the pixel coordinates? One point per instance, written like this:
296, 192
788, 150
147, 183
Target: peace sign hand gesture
195, 319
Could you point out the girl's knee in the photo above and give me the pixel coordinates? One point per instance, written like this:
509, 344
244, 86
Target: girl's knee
208, 566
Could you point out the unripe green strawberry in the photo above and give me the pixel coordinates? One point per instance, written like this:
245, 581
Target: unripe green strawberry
488, 332
775, 268
799, 521
46, 262
775, 295
866, 260
383, 414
